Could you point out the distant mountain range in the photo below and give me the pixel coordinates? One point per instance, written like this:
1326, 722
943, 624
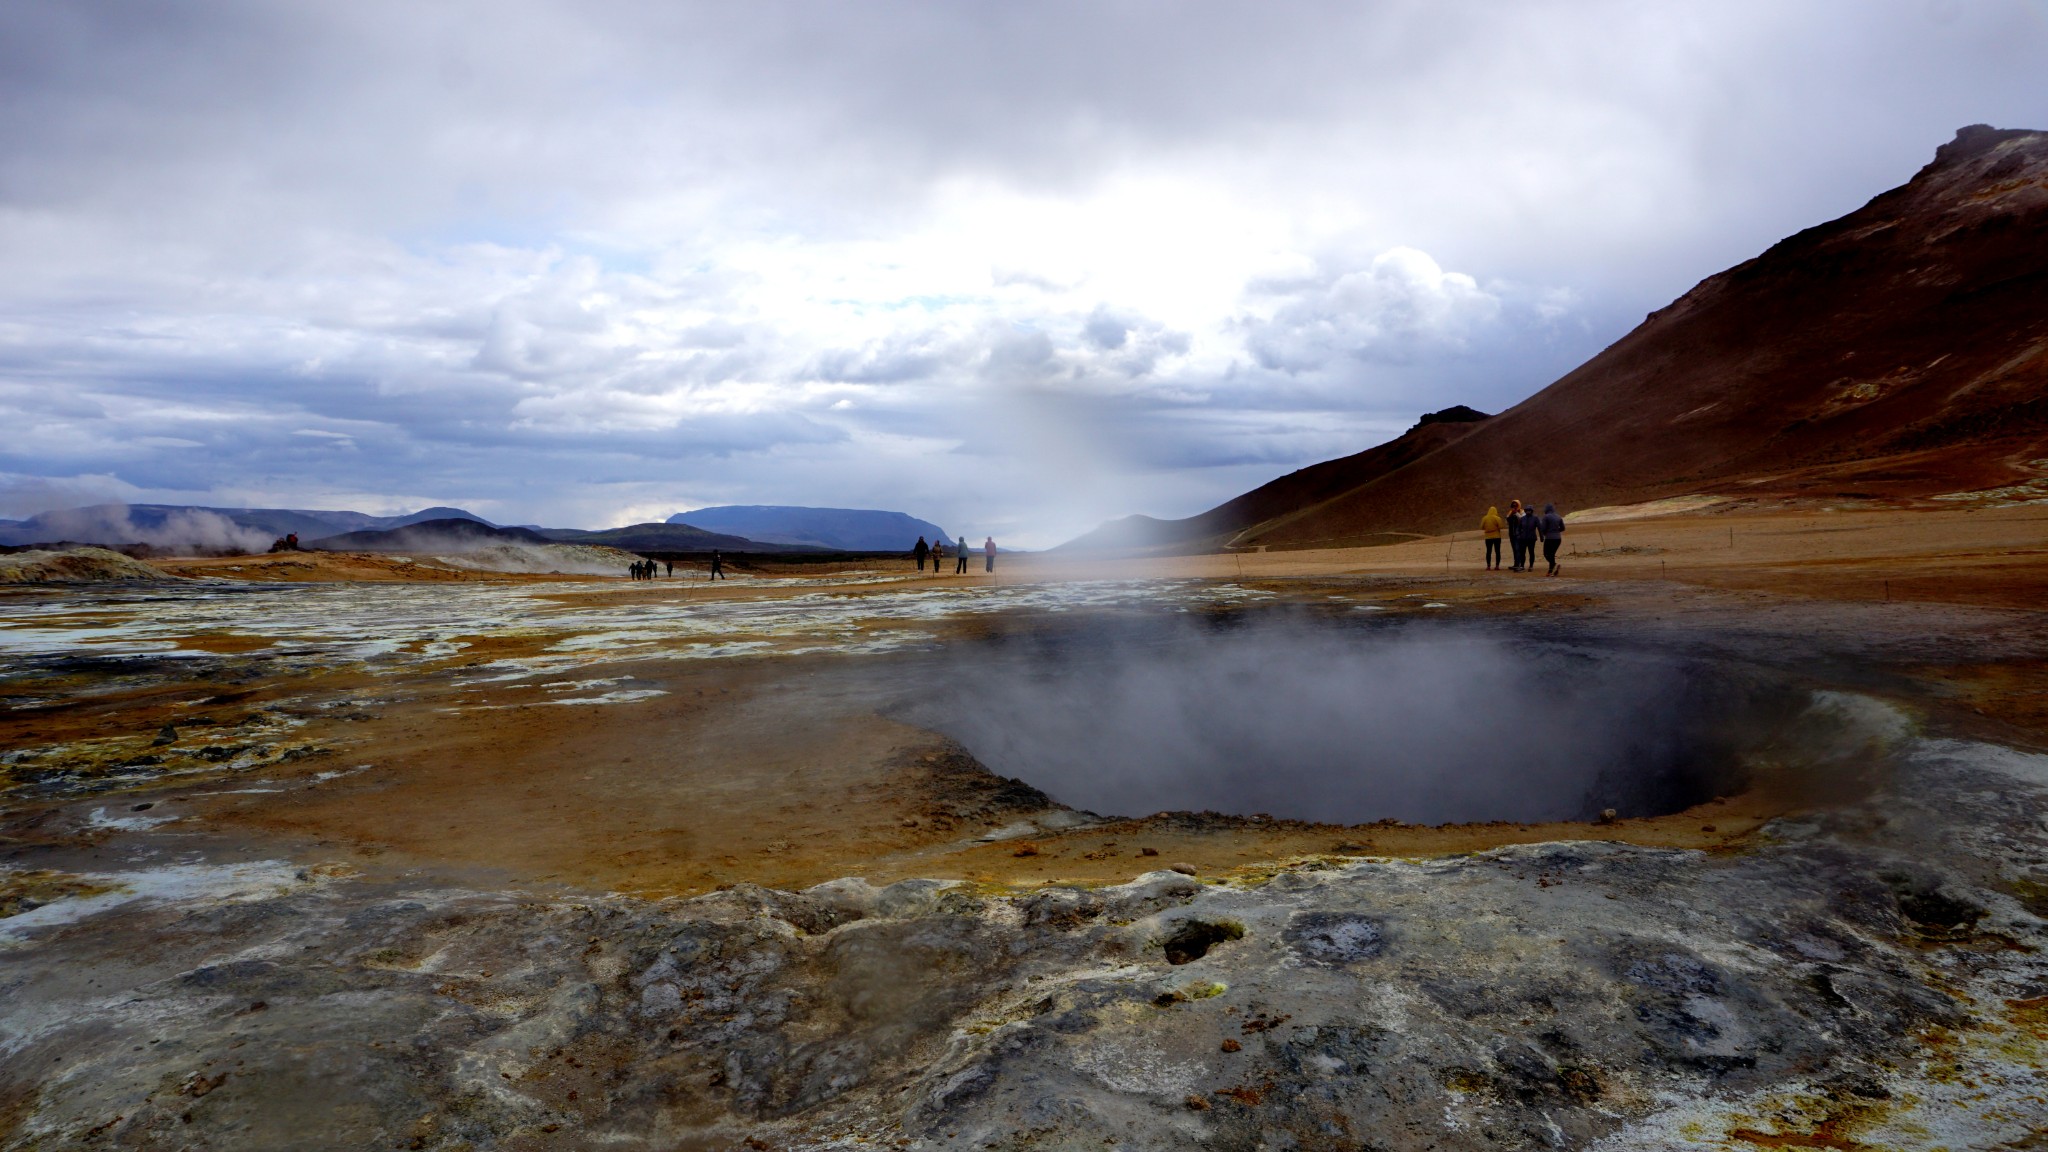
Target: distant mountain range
837, 529
1899, 353
669, 537
172, 524
451, 534
192, 528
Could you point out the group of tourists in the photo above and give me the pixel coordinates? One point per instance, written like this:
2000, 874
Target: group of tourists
648, 569
1525, 529
936, 552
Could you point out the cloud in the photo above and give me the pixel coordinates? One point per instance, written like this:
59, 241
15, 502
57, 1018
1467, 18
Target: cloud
560, 262
24, 496
894, 359
1400, 307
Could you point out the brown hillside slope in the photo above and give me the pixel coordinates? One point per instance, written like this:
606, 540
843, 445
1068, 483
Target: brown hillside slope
1898, 352
1299, 489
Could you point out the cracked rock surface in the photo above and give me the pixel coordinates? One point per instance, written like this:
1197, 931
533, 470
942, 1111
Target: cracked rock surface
1858, 968
1834, 979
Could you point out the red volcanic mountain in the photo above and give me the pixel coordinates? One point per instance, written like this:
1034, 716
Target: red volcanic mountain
1900, 352
1306, 488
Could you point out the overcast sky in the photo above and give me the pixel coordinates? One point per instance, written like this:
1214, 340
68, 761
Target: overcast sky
1013, 267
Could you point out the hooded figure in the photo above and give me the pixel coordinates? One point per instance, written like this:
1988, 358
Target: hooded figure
1489, 527
1522, 535
1551, 526
920, 552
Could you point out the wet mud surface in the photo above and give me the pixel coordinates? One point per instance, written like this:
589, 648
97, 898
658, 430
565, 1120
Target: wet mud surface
1309, 713
554, 865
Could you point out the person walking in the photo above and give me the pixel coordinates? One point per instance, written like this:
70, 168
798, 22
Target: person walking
1489, 527
960, 569
671, 567
920, 552
938, 556
718, 566
988, 551
1551, 526
1521, 530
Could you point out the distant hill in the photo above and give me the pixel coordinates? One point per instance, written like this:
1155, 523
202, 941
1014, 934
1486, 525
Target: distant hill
1899, 353
664, 538
191, 528
837, 529
1309, 486
452, 534
438, 512
173, 525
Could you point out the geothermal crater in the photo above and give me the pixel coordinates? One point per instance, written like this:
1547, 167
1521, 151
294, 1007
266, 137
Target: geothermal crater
1348, 723
656, 868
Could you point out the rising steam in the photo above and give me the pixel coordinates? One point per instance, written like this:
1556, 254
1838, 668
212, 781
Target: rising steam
1343, 725
187, 530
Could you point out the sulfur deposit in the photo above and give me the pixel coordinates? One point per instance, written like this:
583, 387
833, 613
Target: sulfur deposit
543, 865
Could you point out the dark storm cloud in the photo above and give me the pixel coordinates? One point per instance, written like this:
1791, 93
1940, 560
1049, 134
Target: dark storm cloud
582, 263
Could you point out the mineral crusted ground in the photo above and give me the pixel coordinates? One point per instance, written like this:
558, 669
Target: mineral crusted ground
531, 864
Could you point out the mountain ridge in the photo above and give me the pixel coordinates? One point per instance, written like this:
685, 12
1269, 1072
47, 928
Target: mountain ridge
1221, 525
119, 524
1897, 353
652, 537
447, 534
836, 529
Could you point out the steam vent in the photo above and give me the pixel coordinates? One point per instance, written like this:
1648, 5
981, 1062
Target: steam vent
1291, 825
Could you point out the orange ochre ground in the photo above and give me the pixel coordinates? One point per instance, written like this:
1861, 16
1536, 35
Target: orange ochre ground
718, 782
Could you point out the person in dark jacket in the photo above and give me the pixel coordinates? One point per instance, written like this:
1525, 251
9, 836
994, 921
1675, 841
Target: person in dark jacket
1522, 535
1551, 526
718, 566
920, 552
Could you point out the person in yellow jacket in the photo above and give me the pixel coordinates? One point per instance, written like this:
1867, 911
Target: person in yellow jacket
1489, 527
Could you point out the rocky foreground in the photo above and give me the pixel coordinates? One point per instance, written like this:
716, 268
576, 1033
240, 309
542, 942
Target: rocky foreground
1871, 978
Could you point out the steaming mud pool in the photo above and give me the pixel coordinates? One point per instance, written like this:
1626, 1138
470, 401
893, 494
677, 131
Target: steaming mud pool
1170, 864
1344, 723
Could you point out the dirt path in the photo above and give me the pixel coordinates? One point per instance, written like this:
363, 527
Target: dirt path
1991, 556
